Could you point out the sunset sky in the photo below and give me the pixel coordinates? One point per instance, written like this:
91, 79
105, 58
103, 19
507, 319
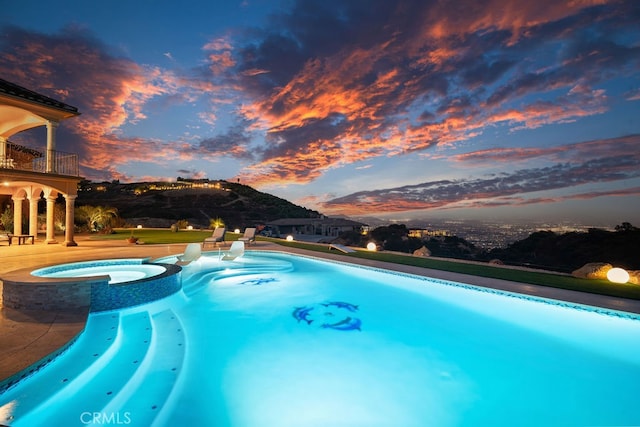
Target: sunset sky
396, 109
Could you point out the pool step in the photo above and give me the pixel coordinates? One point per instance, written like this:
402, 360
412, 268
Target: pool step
199, 280
145, 394
93, 388
89, 354
196, 283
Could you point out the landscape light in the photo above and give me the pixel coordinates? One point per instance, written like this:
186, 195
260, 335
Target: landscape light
139, 225
618, 275
289, 238
371, 246
237, 231
189, 227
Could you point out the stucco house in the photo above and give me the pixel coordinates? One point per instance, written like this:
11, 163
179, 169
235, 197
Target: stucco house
29, 175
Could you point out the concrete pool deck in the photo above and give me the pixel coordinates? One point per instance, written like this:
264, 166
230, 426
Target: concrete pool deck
28, 337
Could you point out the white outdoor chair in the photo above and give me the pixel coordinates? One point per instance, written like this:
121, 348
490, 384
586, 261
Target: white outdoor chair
248, 236
217, 236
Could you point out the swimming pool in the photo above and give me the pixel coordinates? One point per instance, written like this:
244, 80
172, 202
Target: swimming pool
279, 340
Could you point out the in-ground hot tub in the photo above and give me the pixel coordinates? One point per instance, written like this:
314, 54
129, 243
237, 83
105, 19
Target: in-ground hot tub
101, 284
120, 270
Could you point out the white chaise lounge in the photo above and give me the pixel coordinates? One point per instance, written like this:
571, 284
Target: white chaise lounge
248, 236
217, 236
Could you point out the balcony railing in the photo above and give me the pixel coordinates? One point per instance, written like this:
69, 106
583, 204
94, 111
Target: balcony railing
56, 162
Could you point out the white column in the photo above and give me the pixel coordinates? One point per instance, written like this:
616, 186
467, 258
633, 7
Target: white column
17, 214
51, 145
3, 149
69, 221
33, 216
51, 237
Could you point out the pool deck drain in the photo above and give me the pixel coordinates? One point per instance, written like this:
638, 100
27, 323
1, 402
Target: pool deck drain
28, 337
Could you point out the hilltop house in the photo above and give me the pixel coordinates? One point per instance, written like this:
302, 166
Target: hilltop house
323, 226
28, 175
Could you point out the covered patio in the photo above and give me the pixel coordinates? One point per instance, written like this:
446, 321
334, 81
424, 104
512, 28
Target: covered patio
29, 175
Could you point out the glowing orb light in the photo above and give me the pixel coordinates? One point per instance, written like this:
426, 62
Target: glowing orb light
289, 238
371, 246
618, 275
237, 231
139, 226
189, 227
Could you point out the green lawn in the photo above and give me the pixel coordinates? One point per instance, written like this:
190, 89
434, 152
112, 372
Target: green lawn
153, 236
603, 287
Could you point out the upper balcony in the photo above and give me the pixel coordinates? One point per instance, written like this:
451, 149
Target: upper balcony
21, 158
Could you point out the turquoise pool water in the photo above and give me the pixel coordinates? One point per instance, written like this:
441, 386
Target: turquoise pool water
278, 340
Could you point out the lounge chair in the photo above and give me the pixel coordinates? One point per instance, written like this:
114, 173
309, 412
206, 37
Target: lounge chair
341, 248
217, 236
236, 250
248, 236
191, 253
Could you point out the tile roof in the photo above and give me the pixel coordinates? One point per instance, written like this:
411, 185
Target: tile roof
14, 90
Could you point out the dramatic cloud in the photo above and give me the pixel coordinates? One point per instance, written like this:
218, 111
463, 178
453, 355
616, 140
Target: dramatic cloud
578, 152
493, 190
109, 91
323, 84
234, 143
394, 78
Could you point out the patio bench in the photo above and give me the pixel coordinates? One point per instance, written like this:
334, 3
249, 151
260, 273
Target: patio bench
24, 238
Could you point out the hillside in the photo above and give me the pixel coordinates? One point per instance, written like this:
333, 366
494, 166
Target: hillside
544, 249
162, 204
568, 251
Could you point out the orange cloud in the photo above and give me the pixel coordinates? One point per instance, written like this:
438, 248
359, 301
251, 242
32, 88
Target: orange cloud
366, 206
433, 74
447, 19
622, 146
110, 92
505, 187
374, 88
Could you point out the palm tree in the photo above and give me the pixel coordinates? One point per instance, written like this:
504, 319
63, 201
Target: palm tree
97, 217
215, 223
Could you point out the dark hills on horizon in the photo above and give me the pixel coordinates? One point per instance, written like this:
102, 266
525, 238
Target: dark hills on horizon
160, 204
547, 250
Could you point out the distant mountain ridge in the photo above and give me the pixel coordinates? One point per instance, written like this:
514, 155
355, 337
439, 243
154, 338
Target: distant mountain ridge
160, 204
